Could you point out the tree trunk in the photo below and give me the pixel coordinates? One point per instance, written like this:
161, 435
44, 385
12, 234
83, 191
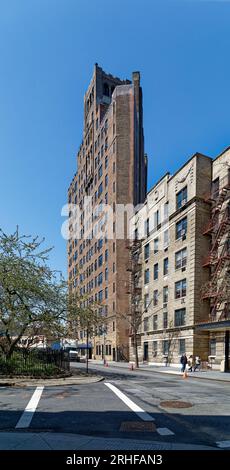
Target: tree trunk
136, 350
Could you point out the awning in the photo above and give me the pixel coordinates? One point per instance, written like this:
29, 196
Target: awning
84, 346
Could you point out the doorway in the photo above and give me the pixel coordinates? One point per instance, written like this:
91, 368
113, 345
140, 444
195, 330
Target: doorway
146, 352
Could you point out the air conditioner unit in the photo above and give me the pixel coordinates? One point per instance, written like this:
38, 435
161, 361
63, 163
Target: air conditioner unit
183, 301
184, 268
165, 305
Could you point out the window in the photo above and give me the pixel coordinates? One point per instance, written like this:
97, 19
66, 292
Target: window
182, 346
155, 298
114, 268
106, 198
155, 322
114, 247
212, 347
156, 218
146, 321
106, 162
155, 271
114, 287
146, 250
113, 325
114, 147
100, 189
165, 266
147, 227
215, 188
154, 348
146, 301
180, 317
106, 255
105, 89
165, 319
165, 294
106, 293
156, 245
181, 258
100, 171
106, 274
181, 228
180, 289
166, 211
114, 167
100, 260
165, 347
114, 187
100, 279
100, 296
181, 198
146, 276
166, 238
106, 180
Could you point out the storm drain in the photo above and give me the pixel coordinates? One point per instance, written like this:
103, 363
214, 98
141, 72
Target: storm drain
135, 426
175, 404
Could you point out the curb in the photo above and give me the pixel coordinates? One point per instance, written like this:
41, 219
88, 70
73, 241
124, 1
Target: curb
51, 382
190, 376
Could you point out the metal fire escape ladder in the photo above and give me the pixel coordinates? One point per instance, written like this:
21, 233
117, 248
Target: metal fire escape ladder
217, 290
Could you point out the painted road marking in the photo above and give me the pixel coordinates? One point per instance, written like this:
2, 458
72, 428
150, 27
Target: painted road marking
139, 411
27, 416
164, 432
223, 444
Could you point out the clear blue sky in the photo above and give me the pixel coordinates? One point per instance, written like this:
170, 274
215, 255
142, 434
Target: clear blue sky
47, 52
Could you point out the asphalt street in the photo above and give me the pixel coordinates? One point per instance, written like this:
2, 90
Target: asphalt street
128, 405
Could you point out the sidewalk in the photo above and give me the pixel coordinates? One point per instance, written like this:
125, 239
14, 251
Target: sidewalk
203, 374
74, 442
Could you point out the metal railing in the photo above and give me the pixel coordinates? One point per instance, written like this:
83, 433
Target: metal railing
34, 362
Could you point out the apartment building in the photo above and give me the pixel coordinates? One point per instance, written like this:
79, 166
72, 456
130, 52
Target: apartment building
179, 249
111, 170
216, 292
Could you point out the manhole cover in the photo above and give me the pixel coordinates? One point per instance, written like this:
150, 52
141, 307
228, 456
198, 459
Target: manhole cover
130, 426
175, 404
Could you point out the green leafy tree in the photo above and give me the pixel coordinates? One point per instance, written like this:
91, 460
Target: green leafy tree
33, 298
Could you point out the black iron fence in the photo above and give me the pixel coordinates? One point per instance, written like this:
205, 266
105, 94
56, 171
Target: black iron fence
35, 362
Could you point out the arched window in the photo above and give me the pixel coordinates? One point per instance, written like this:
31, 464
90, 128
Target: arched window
105, 89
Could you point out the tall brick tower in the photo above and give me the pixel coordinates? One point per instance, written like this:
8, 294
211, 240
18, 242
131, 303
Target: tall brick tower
111, 170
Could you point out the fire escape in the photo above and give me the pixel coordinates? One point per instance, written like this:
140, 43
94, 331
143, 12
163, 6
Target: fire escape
217, 289
133, 289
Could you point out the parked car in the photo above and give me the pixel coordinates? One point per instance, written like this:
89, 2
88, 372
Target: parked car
73, 355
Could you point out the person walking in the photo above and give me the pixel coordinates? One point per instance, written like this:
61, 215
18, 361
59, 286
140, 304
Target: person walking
183, 361
190, 363
197, 363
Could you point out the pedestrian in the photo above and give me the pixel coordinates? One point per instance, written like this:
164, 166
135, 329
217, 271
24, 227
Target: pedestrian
197, 363
183, 361
190, 363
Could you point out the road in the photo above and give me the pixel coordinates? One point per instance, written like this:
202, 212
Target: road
127, 405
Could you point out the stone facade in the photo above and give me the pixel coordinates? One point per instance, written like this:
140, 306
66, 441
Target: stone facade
173, 248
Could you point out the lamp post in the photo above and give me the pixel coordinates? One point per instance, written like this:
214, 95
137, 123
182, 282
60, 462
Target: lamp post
103, 355
87, 349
